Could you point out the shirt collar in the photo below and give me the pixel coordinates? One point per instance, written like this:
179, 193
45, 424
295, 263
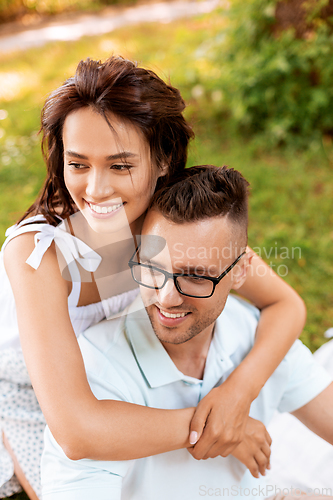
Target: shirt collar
154, 361
226, 334
156, 364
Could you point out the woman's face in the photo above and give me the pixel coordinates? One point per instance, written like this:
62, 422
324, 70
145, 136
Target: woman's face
108, 173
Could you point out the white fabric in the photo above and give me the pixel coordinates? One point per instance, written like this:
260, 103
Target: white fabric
300, 459
125, 361
74, 251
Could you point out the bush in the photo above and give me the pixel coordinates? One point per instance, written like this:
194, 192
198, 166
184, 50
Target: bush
275, 83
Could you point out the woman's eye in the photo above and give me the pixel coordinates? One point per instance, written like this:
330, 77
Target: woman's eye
121, 168
76, 166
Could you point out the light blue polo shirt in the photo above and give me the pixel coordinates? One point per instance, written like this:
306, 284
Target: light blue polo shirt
125, 361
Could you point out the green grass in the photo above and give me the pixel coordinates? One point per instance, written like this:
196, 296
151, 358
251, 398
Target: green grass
291, 200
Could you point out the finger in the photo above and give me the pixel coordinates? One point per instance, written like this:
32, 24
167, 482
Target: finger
212, 452
219, 449
198, 422
266, 450
227, 448
213, 435
210, 435
207, 440
192, 452
268, 438
200, 450
262, 462
253, 467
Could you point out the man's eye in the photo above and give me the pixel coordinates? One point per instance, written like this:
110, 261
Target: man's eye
194, 279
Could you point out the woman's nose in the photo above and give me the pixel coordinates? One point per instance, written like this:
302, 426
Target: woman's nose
98, 186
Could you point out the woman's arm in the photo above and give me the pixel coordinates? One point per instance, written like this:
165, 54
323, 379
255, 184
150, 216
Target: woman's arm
282, 319
83, 426
224, 410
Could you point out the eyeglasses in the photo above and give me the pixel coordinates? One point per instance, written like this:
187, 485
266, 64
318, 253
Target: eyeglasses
191, 285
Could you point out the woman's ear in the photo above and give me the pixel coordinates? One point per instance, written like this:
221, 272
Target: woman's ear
163, 170
241, 270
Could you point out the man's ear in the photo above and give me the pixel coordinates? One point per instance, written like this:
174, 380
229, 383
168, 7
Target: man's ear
240, 271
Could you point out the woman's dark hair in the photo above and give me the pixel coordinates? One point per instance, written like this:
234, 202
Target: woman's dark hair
131, 93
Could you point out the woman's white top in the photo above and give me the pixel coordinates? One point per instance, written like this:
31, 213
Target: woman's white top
74, 251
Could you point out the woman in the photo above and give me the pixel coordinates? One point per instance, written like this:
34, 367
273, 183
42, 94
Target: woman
111, 134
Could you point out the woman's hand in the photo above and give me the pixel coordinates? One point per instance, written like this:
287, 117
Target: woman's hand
255, 449
219, 421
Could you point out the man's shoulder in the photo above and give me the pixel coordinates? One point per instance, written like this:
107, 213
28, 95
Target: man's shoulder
99, 343
103, 334
240, 317
110, 331
235, 305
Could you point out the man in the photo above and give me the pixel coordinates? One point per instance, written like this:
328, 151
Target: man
192, 253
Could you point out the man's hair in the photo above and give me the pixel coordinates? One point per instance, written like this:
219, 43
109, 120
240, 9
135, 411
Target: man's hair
202, 192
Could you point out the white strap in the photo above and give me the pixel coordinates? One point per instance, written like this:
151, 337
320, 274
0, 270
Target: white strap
28, 225
73, 297
70, 246
72, 249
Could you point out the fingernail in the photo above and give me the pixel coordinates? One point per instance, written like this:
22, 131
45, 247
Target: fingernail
193, 437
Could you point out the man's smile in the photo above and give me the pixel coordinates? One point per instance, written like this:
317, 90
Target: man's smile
171, 318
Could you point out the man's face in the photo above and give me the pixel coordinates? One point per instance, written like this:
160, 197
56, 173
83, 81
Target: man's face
206, 248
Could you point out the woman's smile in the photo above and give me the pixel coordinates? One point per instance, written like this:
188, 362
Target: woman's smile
104, 210
108, 170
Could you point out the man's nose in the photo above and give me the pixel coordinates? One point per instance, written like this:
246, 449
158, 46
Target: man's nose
98, 186
168, 296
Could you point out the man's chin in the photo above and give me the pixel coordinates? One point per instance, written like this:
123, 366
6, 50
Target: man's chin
168, 334
171, 337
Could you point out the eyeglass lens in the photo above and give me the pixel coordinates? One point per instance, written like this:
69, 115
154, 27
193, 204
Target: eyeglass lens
153, 278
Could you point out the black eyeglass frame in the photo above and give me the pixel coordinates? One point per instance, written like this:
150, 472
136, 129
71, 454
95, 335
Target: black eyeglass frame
174, 276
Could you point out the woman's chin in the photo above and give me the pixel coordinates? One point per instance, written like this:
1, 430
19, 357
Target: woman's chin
107, 223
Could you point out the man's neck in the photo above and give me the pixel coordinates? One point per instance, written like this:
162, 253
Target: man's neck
190, 357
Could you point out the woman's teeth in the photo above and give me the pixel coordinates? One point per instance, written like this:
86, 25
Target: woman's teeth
104, 210
169, 315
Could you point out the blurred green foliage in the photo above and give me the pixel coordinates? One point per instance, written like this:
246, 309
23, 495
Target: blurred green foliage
15, 9
274, 84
